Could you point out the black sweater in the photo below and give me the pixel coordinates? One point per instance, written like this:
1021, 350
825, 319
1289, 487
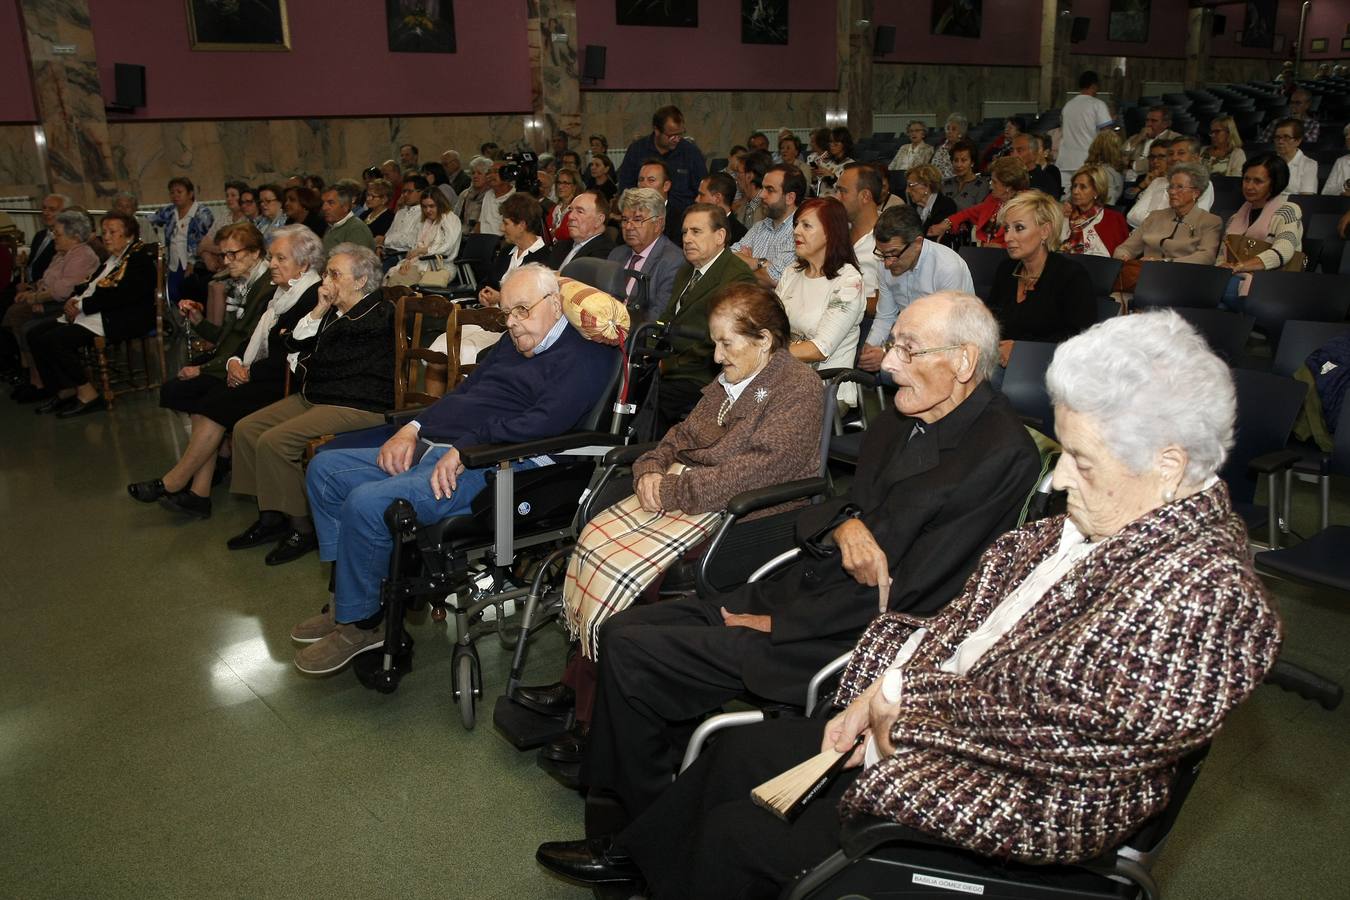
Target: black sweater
1061, 305
350, 362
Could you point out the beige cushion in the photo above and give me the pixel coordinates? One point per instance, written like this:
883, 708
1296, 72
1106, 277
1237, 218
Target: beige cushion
598, 316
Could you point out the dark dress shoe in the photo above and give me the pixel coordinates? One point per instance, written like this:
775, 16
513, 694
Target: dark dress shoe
570, 747
55, 404
592, 861
146, 491
256, 535
547, 699
185, 501
293, 546
82, 409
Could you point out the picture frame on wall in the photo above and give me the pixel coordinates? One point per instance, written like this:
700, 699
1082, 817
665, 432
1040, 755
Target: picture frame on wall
420, 26
1128, 20
657, 13
958, 18
1318, 45
1345, 43
238, 25
764, 21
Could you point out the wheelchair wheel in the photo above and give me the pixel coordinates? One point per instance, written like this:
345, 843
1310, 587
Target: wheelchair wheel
465, 676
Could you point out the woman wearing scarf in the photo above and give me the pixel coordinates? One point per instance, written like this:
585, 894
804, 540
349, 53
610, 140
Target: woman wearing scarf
1267, 218
1090, 228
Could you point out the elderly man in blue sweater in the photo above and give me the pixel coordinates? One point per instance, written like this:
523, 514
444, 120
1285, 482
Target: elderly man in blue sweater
538, 384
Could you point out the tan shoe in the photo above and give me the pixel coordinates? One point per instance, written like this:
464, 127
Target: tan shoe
315, 627
337, 648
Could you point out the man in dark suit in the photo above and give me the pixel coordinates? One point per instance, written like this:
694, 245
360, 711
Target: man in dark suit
586, 224
719, 189
708, 268
647, 251
1031, 151
939, 478
43, 248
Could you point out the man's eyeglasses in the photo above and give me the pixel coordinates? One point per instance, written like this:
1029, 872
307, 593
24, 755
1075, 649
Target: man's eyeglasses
906, 355
888, 255
523, 312
635, 222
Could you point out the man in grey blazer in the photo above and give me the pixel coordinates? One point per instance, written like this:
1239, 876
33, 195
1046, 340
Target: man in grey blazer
343, 226
647, 251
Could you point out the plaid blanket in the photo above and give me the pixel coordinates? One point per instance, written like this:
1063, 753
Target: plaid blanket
619, 553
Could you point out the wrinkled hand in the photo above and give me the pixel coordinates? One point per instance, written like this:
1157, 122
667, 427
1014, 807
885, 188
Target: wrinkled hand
189, 372
938, 230
648, 490
446, 474
327, 297
489, 296
745, 620
236, 373
191, 310
843, 729
863, 559
747, 255
397, 453
869, 360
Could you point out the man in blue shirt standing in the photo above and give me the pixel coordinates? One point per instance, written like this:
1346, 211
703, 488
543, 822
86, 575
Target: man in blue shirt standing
668, 144
538, 384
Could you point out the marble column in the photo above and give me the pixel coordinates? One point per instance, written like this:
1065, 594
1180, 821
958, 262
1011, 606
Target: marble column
69, 100
854, 65
556, 79
1056, 23
1198, 25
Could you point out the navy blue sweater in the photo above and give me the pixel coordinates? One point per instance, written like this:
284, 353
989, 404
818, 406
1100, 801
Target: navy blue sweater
511, 398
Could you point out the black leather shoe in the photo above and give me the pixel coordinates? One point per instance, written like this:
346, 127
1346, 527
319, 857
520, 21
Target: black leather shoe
546, 699
98, 404
185, 501
146, 491
570, 747
256, 535
592, 861
293, 546
55, 404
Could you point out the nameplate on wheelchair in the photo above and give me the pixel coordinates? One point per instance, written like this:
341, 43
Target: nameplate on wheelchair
585, 451
625, 409
965, 887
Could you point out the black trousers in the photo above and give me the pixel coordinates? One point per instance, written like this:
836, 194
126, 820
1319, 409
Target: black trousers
662, 668
704, 837
55, 345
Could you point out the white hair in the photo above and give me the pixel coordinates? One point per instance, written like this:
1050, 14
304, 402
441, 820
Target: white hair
969, 321
960, 121
480, 164
545, 280
1149, 381
648, 200
305, 246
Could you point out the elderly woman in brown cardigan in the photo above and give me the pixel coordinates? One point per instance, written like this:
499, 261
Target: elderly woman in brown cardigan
757, 424
1040, 715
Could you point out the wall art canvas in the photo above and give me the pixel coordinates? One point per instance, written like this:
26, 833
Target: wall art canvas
1128, 20
958, 18
421, 26
663, 13
1258, 24
764, 21
238, 25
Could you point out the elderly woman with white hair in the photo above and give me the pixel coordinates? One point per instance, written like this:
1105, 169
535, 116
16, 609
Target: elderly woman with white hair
955, 130
1049, 704
469, 204
254, 376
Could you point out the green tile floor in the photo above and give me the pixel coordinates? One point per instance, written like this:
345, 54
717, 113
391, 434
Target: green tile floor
155, 740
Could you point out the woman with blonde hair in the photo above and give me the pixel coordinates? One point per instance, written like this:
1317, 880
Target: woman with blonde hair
1089, 227
1224, 155
1108, 151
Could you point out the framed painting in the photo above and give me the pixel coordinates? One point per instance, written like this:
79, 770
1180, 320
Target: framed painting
1128, 20
660, 13
238, 25
958, 18
421, 26
764, 21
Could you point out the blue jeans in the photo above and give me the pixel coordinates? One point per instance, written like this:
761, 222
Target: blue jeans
348, 494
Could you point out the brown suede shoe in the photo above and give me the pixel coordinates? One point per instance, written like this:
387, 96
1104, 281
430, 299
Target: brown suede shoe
315, 627
337, 648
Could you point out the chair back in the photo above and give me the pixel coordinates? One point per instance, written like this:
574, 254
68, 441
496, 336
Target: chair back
602, 274
1226, 332
474, 261
1310, 204
1299, 339
417, 319
1267, 406
1107, 308
605, 403
1180, 284
1102, 271
1024, 384
1277, 297
983, 262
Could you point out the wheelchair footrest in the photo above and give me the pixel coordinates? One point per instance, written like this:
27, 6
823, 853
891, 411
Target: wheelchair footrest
370, 671
525, 728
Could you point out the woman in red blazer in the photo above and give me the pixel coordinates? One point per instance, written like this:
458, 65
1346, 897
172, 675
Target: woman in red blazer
1007, 177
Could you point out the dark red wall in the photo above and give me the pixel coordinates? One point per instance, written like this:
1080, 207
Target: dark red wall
16, 95
1009, 36
339, 64
712, 57
1167, 26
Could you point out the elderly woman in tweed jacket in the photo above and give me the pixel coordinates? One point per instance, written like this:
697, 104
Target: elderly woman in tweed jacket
757, 424
1041, 714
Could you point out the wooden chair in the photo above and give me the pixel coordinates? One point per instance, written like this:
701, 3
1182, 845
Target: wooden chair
110, 370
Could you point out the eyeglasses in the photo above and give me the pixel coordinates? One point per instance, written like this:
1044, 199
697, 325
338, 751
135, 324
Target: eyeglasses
673, 135
1179, 187
523, 312
1284, 137
914, 184
231, 254
635, 222
335, 274
907, 355
893, 254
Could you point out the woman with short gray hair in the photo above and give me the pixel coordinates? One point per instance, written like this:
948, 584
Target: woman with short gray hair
955, 130
73, 264
1184, 232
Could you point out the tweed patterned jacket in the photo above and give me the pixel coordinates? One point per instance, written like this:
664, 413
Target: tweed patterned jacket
1063, 738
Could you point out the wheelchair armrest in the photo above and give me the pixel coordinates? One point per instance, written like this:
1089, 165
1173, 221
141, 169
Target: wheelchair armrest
747, 502
490, 454
843, 376
627, 454
402, 416
1270, 463
864, 834
1319, 466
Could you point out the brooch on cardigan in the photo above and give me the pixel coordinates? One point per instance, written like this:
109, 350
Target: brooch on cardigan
761, 394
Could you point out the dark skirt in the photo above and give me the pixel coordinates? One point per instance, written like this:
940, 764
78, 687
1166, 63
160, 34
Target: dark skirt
209, 396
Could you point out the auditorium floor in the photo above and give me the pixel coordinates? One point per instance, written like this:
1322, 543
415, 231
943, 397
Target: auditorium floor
155, 740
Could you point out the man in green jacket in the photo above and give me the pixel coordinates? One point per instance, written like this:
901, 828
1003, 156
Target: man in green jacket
343, 227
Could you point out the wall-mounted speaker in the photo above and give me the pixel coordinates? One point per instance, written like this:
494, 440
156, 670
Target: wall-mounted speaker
128, 85
1079, 32
1220, 22
593, 62
883, 44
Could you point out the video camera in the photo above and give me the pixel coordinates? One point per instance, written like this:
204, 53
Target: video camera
523, 169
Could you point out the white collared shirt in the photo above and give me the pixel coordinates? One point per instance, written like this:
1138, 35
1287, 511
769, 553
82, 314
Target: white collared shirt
94, 321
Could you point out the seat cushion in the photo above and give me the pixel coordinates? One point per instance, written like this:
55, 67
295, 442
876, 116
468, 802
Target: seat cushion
1322, 559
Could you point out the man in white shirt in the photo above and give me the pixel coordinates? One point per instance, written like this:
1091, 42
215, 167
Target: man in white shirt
490, 217
911, 268
402, 233
1157, 124
1154, 197
858, 188
1081, 119
1302, 170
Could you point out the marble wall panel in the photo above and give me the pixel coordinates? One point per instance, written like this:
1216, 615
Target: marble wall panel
912, 87
1229, 70
21, 173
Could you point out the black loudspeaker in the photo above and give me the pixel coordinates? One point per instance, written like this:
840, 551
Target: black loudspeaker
593, 63
129, 85
1079, 32
884, 42
1220, 22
